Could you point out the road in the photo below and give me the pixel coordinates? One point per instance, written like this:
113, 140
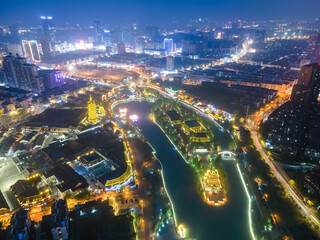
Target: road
137, 163
283, 179
253, 122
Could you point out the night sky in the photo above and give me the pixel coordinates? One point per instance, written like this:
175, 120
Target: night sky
154, 11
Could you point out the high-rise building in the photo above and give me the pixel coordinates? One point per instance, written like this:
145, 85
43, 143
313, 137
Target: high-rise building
189, 46
48, 29
51, 78
31, 81
116, 36
314, 47
19, 74
168, 45
128, 38
31, 50
14, 34
1, 33
170, 63
307, 89
46, 48
59, 220
13, 70
92, 111
98, 32
15, 49
140, 43
121, 48
20, 225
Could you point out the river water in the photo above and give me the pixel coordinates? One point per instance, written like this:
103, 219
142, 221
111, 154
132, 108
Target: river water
204, 222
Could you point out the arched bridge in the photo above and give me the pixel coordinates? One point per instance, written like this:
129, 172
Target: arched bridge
227, 155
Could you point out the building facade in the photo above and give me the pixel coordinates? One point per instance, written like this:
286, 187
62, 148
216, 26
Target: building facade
22, 75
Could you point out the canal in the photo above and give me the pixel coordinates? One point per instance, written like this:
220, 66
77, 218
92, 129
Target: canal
204, 222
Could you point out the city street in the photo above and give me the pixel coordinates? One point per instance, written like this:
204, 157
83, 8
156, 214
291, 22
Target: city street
283, 179
253, 123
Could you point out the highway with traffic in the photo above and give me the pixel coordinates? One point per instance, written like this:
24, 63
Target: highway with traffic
253, 122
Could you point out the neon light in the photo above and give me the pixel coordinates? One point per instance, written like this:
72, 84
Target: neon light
249, 198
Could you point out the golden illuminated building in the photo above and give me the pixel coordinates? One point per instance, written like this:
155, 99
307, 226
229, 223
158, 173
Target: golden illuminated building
193, 126
199, 137
126, 175
92, 111
102, 111
90, 158
213, 191
30, 190
173, 117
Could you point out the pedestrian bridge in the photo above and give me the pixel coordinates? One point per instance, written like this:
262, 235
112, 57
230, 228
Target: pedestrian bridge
127, 100
227, 155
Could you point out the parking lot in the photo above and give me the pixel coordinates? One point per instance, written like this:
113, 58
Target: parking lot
10, 174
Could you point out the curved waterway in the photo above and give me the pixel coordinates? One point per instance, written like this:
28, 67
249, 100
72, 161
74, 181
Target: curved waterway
204, 222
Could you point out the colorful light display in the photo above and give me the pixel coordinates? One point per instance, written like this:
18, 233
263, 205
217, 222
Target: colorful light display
213, 191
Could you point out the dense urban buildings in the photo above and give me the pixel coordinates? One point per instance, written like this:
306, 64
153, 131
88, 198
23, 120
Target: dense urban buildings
159, 120
293, 128
22, 75
307, 89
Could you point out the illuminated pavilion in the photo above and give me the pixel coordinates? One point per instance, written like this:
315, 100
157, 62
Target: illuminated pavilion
92, 111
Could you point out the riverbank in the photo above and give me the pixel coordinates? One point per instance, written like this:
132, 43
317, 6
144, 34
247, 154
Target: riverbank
202, 221
199, 155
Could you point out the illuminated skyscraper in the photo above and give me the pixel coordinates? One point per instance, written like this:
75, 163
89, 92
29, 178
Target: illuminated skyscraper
48, 29
170, 63
92, 111
31, 50
46, 48
168, 45
98, 32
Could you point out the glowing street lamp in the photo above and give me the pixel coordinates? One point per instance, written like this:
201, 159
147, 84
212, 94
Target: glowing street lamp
181, 231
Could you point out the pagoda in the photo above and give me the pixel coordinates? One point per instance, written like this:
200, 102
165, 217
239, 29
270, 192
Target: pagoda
92, 111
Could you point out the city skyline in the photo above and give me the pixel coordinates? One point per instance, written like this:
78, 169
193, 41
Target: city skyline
157, 120
155, 12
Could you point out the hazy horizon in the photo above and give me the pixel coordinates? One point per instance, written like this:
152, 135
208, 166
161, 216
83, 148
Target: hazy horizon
154, 12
